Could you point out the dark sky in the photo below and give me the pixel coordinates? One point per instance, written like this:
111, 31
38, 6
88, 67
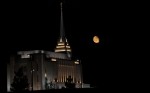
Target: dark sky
35, 25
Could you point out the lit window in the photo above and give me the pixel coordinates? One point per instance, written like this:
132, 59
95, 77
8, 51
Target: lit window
66, 40
60, 39
58, 50
61, 50
53, 59
63, 46
25, 56
61, 43
45, 75
76, 62
60, 46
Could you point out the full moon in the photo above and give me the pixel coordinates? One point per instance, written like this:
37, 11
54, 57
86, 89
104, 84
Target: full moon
96, 39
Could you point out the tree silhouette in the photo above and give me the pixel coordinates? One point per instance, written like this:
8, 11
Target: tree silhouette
51, 85
20, 82
55, 85
69, 83
46, 83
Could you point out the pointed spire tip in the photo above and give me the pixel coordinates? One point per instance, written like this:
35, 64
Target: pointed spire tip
61, 4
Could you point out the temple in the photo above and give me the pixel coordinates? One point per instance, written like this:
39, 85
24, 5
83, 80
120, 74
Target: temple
46, 69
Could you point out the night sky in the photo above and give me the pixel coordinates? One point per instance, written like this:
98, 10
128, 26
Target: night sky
35, 25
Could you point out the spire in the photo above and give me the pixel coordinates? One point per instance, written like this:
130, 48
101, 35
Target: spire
62, 33
62, 44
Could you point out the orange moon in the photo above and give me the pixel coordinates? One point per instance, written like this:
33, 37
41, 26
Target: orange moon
96, 39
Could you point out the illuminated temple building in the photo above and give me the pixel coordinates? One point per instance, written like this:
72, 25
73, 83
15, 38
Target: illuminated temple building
42, 66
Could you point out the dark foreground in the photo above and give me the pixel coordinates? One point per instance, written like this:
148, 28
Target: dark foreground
92, 90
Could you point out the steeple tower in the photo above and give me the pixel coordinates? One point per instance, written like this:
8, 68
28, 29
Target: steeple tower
62, 44
62, 32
